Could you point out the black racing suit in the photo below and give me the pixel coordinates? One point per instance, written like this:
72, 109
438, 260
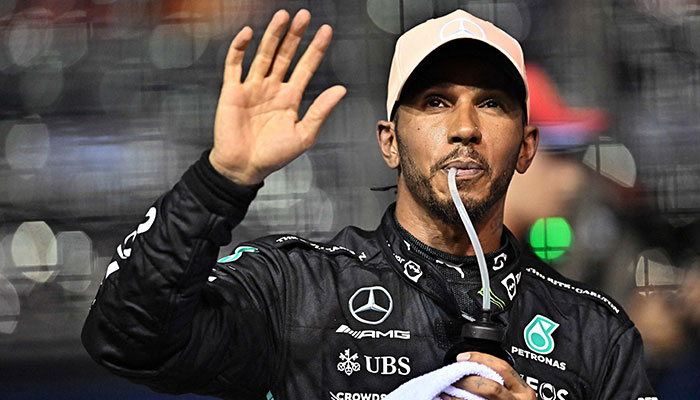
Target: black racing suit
351, 318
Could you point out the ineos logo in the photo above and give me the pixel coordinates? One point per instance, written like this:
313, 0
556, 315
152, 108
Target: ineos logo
461, 27
372, 308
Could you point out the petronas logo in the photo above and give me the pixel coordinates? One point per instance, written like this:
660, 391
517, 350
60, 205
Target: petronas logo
538, 334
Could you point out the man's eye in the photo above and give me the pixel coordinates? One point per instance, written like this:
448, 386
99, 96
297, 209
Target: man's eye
491, 103
435, 102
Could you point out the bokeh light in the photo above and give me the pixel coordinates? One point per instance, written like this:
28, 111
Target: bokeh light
654, 268
28, 146
550, 238
30, 36
613, 161
512, 17
9, 306
386, 14
178, 44
34, 251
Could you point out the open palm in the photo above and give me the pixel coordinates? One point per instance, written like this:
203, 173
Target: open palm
257, 128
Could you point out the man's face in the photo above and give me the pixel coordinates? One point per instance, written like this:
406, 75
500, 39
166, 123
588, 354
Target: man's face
458, 112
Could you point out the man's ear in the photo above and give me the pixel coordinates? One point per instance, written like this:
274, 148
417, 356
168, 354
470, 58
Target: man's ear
388, 145
528, 148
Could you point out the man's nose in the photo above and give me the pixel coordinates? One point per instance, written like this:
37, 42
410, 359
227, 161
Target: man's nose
464, 125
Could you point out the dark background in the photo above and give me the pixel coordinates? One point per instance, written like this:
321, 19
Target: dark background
104, 104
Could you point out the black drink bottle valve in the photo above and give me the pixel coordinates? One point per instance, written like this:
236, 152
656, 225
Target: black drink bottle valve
483, 336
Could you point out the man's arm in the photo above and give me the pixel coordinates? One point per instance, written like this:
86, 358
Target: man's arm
153, 319
624, 374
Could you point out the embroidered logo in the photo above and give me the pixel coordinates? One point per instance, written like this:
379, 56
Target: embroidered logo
238, 253
373, 308
538, 334
494, 299
461, 27
347, 363
510, 282
413, 271
499, 261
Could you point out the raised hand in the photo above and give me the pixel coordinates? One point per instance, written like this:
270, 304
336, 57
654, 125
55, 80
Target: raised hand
257, 128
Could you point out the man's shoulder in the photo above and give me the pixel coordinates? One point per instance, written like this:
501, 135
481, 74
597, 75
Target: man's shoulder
564, 290
350, 241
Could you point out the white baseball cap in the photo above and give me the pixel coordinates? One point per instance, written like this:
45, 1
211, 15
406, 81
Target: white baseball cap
418, 42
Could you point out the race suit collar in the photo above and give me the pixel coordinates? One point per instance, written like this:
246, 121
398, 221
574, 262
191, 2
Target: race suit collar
431, 253
419, 265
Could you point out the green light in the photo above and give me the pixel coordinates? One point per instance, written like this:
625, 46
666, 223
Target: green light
550, 238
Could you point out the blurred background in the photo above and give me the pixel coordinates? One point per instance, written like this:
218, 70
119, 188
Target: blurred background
105, 103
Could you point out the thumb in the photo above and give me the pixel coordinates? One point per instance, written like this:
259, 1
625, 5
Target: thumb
317, 113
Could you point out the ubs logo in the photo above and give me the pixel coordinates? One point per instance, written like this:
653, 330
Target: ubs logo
371, 305
461, 27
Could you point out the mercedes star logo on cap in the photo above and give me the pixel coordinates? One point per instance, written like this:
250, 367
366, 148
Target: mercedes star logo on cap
460, 27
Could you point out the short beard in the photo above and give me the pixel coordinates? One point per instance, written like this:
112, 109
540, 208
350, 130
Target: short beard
446, 211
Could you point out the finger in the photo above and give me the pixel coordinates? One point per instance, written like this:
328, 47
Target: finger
286, 51
511, 378
486, 388
234, 57
317, 113
493, 362
312, 58
268, 45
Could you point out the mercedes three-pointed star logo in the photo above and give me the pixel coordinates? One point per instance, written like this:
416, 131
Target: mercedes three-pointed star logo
461, 27
378, 300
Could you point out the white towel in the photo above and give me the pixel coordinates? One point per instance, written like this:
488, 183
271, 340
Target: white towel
430, 385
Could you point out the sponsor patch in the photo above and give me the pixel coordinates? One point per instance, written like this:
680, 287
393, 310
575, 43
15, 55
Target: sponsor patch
545, 390
586, 292
368, 333
455, 267
124, 249
371, 305
461, 27
413, 271
238, 253
499, 261
494, 299
348, 363
510, 282
378, 365
561, 365
331, 249
356, 396
538, 334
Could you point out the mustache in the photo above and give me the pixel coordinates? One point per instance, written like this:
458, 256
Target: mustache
461, 152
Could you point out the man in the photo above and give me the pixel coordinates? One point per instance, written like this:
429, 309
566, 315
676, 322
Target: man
361, 314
